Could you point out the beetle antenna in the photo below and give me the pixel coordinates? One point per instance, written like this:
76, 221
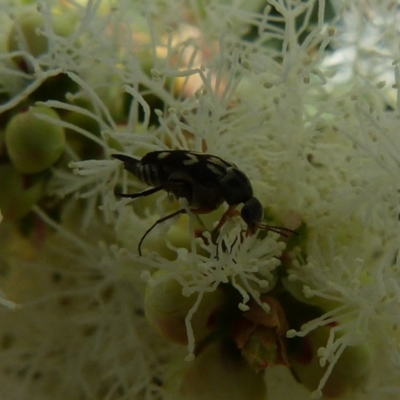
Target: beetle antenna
277, 229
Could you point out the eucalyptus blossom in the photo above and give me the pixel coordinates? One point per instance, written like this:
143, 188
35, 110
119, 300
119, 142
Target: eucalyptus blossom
303, 97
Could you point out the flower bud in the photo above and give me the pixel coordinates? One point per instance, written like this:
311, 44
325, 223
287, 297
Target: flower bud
17, 194
82, 145
166, 309
33, 144
217, 373
24, 35
350, 373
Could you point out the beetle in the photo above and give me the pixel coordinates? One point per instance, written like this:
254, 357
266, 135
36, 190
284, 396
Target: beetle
204, 180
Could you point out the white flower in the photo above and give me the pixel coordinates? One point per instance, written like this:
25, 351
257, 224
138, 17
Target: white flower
301, 95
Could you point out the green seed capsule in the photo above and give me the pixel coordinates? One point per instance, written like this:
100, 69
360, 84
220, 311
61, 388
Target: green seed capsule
217, 373
33, 144
166, 309
24, 35
350, 373
18, 192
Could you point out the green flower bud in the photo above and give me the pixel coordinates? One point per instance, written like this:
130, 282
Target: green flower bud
350, 373
166, 309
217, 373
33, 144
82, 145
114, 144
17, 194
24, 36
113, 98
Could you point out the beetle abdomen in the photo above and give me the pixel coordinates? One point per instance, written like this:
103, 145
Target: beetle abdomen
150, 174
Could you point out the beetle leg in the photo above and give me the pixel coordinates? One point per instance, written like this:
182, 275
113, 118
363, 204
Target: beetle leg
163, 219
229, 213
159, 221
242, 234
147, 192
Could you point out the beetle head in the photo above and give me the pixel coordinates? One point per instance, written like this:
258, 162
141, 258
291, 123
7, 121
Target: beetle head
252, 214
